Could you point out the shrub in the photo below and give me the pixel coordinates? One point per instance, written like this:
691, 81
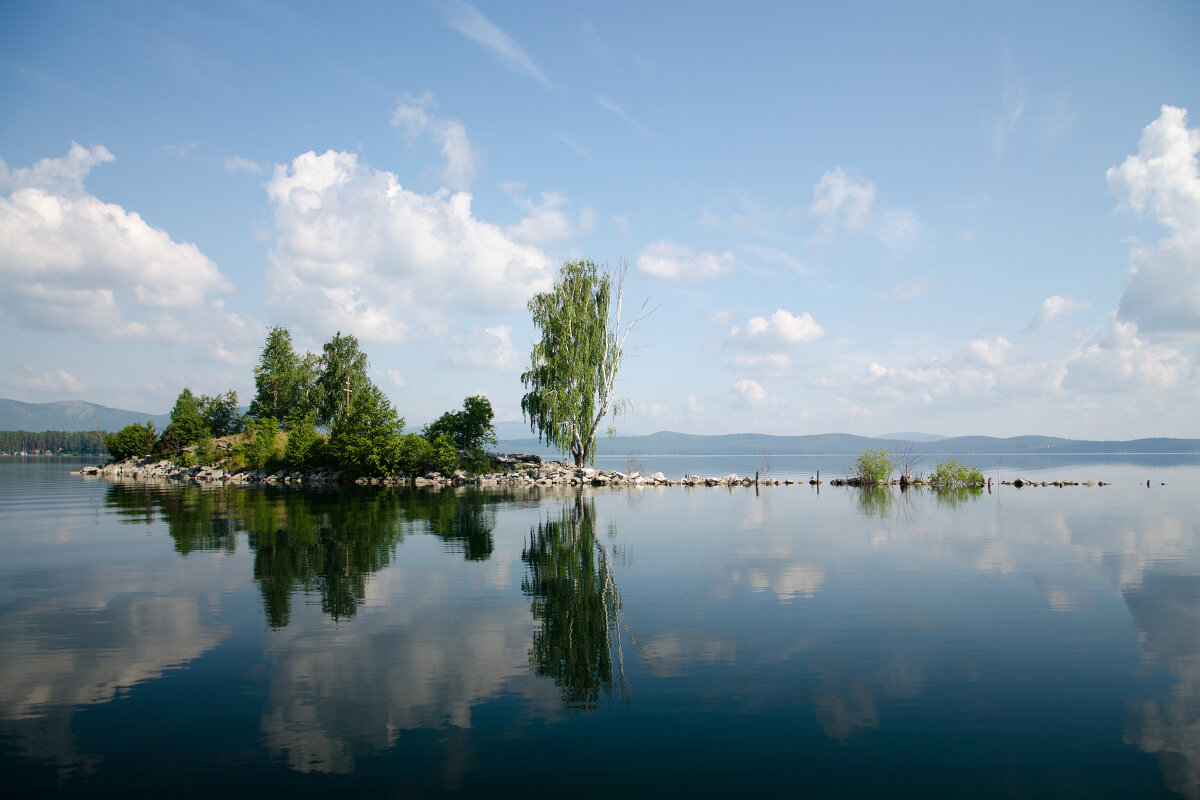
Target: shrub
874, 466
261, 449
953, 473
305, 447
132, 440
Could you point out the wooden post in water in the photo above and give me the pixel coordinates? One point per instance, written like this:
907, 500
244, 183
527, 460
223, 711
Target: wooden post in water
347, 397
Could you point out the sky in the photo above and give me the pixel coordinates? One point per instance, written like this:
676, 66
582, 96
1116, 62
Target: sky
953, 218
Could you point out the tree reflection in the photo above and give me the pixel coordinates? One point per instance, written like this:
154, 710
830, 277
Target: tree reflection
575, 603
953, 497
326, 541
874, 501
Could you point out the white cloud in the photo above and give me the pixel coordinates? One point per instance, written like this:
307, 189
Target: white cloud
782, 331
412, 119
693, 405
777, 256
183, 149
989, 353
910, 290
54, 382
1117, 359
1163, 181
676, 262
1012, 107
239, 164
69, 261
609, 105
490, 348
357, 251
846, 202
547, 222
468, 21
767, 363
841, 199
1054, 307
622, 224
395, 378
749, 392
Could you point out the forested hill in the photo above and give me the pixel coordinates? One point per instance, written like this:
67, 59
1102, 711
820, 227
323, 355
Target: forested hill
71, 415
668, 443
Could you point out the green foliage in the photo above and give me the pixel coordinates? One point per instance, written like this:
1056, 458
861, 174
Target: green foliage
132, 440
573, 366
574, 599
305, 447
277, 378
874, 466
220, 414
469, 429
416, 455
341, 360
186, 426
61, 442
261, 450
366, 442
953, 473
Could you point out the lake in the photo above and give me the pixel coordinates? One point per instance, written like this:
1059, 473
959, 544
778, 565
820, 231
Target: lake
159, 639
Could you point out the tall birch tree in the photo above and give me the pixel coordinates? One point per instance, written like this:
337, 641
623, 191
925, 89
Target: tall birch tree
573, 368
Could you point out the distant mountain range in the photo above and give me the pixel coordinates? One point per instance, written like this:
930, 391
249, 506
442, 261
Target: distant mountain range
71, 415
77, 415
686, 444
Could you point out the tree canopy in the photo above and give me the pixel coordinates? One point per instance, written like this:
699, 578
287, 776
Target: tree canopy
469, 429
341, 360
277, 383
574, 365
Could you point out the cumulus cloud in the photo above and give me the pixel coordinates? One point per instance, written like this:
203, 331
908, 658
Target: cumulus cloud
412, 120
355, 250
1118, 359
783, 331
676, 262
547, 221
492, 347
69, 261
1054, 307
749, 392
910, 290
1162, 181
842, 201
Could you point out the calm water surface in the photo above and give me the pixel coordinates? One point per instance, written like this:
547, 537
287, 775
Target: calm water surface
158, 639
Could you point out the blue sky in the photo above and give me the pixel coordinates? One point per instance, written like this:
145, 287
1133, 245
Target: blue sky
859, 217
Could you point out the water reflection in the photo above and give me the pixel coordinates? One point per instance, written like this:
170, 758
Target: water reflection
1166, 611
575, 603
327, 542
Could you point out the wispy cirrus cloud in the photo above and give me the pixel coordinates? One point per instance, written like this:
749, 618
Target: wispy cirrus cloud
470, 22
608, 104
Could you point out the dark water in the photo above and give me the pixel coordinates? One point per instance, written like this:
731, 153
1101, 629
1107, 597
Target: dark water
160, 640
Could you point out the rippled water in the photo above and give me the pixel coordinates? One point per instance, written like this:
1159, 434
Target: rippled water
1043, 642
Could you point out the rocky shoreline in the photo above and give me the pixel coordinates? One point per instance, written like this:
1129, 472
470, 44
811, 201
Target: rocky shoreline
515, 470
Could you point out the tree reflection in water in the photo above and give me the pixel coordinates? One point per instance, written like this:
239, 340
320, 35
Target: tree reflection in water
576, 605
326, 541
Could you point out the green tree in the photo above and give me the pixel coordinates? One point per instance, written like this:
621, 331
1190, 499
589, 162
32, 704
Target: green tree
220, 414
132, 440
261, 450
574, 366
186, 427
365, 443
341, 363
469, 429
277, 387
305, 447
